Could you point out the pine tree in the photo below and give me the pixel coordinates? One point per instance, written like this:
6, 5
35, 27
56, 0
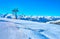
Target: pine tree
15, 12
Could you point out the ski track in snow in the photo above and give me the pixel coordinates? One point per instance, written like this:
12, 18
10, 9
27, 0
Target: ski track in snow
20, 29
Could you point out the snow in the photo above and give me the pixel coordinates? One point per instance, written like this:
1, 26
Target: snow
10, 16
22, 29
54, 22
43, 19
40, 18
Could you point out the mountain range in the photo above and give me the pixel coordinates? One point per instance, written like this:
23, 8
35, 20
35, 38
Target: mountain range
43, 19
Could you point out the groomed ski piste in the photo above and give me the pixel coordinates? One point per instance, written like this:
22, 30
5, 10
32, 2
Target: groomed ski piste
22, 29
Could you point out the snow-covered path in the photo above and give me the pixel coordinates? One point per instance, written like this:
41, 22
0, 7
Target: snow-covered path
20, 29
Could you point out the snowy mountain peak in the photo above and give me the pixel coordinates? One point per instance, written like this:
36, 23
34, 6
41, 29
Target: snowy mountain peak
34, 18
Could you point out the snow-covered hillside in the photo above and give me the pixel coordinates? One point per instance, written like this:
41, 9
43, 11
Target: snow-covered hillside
54, 22
23, 29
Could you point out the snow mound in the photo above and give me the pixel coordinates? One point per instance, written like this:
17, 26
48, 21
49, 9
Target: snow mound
10, 16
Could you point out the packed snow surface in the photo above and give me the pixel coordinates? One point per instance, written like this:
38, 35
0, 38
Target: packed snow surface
21, 29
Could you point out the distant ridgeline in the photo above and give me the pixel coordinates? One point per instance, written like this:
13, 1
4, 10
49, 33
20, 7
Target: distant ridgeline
43, 19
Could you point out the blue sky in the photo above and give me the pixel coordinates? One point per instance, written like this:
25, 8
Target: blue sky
31, 7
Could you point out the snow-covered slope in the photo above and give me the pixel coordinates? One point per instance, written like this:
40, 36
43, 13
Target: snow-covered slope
10, 16
22, 29
54, 22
